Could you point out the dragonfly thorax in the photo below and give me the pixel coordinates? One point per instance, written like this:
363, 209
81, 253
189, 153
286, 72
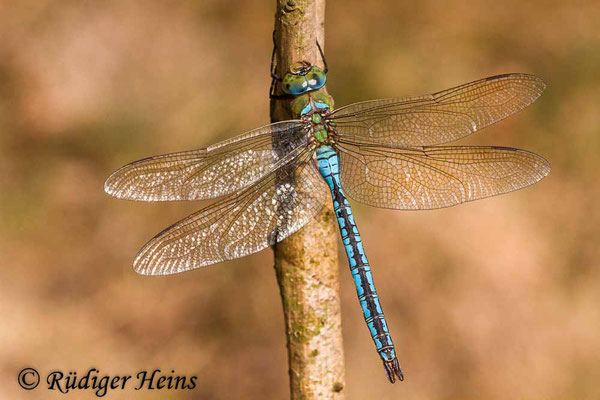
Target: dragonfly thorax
314, 109
303, 77
322, 131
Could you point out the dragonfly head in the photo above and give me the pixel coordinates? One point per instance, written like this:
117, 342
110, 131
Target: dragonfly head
303, 77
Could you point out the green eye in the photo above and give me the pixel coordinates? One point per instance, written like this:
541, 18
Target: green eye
316, 78
303, 78
294, 84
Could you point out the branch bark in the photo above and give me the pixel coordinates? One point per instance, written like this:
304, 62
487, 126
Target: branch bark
306, 263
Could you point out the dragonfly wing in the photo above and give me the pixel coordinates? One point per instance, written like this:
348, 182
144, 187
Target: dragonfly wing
211, 172
238, 225
440, 117
435, 177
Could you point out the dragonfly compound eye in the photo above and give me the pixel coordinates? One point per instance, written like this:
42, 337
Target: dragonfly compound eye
294, 84
316, 78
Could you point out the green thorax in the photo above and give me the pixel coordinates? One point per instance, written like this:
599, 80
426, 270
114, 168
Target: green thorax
310, 104
313, 107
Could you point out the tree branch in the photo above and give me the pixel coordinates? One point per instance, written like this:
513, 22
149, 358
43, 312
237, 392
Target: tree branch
306, 263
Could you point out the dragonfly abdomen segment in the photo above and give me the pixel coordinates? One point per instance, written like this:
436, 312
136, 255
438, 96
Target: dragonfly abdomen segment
359, 265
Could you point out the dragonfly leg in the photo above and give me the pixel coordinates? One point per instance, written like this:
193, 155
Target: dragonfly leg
325, 68
273, 65
274, 77
272, 89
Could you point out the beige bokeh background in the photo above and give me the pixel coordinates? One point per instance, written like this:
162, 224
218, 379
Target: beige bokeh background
496, 299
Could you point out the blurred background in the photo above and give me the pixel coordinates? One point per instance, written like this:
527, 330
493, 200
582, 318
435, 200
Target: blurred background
494, 299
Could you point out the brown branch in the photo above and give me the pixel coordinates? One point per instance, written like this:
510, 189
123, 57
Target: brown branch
306, 263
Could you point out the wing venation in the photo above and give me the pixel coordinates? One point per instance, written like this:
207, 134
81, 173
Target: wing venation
437, 176
438, 118
211, 172
238, 225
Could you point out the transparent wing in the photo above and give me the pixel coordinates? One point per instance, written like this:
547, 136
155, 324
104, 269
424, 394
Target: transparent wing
440, 117
240, 224
435, 177
211, 172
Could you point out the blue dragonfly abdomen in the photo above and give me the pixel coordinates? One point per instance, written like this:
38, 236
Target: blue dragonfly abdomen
328, 161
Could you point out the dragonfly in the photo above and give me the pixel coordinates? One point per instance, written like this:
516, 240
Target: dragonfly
387, 153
